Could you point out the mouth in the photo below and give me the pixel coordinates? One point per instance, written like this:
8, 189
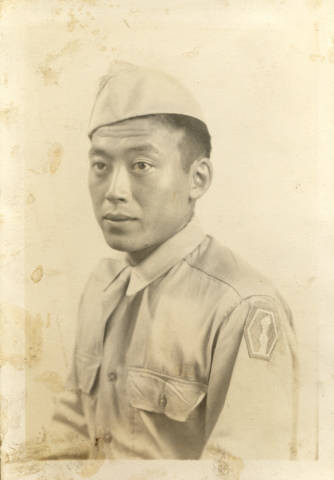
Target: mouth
118, 218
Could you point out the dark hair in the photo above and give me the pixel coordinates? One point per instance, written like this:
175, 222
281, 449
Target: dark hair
196, 141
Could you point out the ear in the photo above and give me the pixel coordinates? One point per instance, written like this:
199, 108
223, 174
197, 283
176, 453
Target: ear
200, 177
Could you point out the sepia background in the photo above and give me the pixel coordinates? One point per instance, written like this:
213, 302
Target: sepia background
256, 73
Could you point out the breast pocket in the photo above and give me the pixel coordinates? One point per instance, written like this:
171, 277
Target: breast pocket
173, 397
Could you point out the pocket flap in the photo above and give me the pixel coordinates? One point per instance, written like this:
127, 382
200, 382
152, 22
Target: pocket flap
152, 392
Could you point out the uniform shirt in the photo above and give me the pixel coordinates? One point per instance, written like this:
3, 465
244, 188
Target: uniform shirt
188, 353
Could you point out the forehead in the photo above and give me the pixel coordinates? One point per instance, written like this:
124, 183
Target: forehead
136, 131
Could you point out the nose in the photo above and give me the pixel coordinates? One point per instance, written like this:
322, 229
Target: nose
119, 189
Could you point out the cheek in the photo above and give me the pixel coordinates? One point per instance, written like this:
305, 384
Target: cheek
96, 191
163, 194
176, 191
91, 185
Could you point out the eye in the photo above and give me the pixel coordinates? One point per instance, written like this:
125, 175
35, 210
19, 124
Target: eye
141, 166
99, 167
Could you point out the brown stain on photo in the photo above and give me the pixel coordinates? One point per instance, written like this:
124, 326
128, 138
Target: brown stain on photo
48, 70
28, 468
9, 114
50, 75
227, 466
88, 469
316, 57
314, 4
52, 380
192, 53
4, 79
37, 274
89, 2
135, 11
27, 452
15, 150
55, 154
30, 198
73, 22
14, 319
331, 52
34, 339
4, 420
53, 444
3, 4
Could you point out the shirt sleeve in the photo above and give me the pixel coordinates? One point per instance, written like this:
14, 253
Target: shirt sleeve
68, 435
252, 392
71, 433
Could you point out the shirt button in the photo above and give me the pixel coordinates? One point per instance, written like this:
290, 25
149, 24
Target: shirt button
162, 400
107, 437
112, 376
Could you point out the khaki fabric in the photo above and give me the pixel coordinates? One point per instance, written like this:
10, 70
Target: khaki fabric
185, 355
129, 91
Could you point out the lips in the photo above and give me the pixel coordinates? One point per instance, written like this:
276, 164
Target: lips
118, 217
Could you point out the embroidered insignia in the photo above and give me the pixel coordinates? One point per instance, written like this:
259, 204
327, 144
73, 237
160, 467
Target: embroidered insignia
261, 333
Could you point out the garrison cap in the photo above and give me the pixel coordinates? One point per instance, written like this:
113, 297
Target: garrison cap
129, 91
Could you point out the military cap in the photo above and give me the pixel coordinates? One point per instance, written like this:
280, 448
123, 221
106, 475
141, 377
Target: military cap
129, 91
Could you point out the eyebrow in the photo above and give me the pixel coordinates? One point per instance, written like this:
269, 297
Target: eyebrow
143, 148
95, 151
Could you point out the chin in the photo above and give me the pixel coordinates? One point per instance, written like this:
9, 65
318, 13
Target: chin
130, 244
120, 244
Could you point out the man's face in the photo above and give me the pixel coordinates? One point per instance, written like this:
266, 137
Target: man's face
139, 188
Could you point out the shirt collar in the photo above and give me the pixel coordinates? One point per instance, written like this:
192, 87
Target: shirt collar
159, 262
165, 256
111, 269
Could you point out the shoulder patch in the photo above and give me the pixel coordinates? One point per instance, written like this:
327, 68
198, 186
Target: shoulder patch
261, 331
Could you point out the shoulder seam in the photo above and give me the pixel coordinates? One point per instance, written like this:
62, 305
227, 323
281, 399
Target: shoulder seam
213, 277
260, 295
243, 298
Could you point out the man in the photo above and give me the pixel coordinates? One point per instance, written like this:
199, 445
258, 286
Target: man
182, 349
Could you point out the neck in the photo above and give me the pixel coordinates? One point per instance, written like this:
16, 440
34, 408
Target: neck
136, 257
